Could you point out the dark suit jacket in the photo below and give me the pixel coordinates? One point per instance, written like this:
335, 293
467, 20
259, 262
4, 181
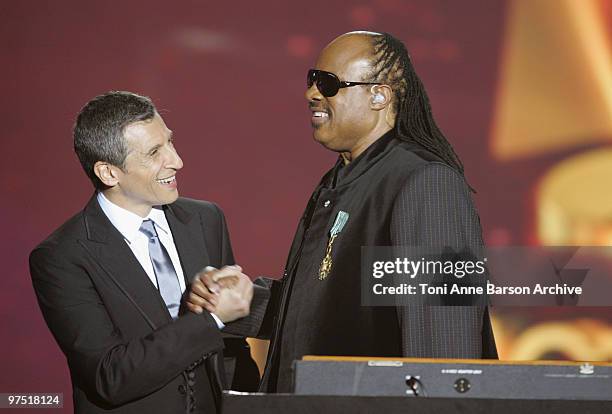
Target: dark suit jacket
123, 349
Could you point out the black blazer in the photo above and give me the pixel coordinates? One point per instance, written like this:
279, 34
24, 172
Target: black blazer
123, 349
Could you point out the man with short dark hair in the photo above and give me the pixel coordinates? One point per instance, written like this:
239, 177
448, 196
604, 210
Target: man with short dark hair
397, 182
110, 280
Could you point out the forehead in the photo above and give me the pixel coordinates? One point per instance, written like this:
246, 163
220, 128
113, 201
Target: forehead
348, 57
142, 135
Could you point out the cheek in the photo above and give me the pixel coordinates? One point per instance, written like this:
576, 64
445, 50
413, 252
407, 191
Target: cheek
351, 116
352, 105
154, 168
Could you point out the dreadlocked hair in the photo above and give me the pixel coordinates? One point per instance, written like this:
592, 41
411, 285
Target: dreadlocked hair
413, 120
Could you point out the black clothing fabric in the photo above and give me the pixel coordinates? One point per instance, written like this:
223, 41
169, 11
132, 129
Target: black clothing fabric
396, 193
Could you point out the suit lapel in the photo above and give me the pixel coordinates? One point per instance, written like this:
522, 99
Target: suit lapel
109, 249
188, 239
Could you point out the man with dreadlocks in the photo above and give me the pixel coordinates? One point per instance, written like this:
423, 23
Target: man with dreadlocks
397, 182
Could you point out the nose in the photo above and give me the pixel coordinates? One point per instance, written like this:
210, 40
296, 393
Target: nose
313, 94
179, 162
175, 161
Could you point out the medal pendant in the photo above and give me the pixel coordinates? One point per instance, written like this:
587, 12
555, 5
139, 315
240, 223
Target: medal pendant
326, 264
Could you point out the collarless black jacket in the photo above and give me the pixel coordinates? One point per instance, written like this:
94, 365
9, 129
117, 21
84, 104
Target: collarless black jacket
396, 194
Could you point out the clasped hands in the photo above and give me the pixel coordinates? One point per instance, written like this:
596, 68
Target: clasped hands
226, 292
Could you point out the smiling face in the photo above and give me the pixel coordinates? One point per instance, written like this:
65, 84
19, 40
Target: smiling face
347, 121
148, 177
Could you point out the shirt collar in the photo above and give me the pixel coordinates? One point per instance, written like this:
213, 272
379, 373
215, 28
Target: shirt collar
159, 218
343, 174
129, 223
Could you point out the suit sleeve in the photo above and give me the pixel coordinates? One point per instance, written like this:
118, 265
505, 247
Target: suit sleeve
258, 323
112, 369
434, 209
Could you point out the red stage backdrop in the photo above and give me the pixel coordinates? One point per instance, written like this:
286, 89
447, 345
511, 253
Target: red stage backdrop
522, 89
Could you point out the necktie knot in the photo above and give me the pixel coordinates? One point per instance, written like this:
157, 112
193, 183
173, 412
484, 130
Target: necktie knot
148, 228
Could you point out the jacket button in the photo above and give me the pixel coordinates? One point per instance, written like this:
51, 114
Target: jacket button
182, 389
326, 203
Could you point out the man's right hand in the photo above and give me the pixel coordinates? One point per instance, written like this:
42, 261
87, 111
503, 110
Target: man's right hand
226, 292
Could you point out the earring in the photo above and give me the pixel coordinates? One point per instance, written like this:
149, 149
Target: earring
378, 98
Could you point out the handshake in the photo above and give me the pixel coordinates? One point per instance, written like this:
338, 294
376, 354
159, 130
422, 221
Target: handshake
226, 292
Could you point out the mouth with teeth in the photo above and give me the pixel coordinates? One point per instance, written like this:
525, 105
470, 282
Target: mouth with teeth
168, 181
319, 117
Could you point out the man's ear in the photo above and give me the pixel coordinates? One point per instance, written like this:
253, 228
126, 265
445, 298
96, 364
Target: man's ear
107, 173
381, 97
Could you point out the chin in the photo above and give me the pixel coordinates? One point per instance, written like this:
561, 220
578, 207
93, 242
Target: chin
327, 142
321, 137
169, 198
174, 197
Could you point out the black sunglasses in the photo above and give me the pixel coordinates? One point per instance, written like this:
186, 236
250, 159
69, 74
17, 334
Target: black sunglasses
329, 84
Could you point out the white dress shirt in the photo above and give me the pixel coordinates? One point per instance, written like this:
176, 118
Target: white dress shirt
129, 224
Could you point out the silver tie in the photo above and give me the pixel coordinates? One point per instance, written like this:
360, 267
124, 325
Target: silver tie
167, 280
